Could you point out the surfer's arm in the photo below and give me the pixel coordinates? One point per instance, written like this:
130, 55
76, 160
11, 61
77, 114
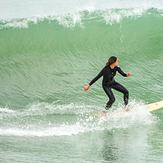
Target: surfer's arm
121, 72
96, 78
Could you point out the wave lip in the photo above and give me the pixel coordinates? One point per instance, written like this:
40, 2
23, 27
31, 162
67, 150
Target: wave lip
71, 20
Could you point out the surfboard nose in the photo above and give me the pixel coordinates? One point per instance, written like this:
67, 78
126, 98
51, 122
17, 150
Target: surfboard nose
155, 106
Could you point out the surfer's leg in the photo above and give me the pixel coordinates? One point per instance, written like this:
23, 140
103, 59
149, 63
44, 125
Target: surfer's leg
122, 89
110, 94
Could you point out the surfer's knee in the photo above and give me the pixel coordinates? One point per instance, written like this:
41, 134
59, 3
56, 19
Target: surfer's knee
126, 92
112, 100
110, 103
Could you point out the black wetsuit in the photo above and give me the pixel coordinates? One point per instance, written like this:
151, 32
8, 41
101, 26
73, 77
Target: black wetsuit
108, 83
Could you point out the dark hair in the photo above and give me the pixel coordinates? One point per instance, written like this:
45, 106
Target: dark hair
111, 60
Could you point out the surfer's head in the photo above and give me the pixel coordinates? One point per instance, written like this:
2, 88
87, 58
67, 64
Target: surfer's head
113, 60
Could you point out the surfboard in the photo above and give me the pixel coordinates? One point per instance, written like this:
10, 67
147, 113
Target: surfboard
155, 106
150, 107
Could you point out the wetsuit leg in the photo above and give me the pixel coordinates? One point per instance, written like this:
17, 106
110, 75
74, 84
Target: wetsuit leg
122, 89
110, 94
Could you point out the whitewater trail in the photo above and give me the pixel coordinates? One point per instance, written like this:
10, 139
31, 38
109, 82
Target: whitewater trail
86, 120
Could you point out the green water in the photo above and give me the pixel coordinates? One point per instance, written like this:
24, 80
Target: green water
45, 116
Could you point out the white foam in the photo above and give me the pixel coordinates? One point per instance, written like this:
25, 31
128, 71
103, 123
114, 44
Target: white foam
51, 131
6, 110
87, 122
20, 23
70, 20
116, 16
44, 108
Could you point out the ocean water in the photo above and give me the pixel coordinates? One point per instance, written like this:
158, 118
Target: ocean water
49, 50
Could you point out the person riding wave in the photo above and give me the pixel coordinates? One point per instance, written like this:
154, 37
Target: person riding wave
108, 83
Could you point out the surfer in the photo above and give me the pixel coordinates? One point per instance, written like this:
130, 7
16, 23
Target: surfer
108, 83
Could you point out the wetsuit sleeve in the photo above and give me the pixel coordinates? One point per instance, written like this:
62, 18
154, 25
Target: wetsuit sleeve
121, 72
97, 77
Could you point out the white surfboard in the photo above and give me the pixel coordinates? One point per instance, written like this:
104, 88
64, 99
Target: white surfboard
155, 106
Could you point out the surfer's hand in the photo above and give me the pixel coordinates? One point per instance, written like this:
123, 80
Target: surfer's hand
86, 87
129, 74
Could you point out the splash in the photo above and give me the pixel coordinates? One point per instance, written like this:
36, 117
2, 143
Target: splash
86, 122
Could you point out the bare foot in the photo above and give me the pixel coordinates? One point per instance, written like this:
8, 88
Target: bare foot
104, 113
127, 109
